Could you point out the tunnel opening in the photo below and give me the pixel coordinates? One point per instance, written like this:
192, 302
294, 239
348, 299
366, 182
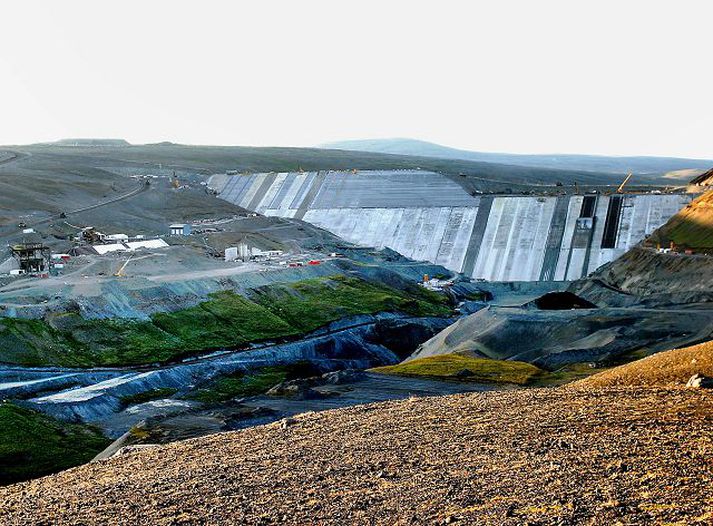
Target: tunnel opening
562, 301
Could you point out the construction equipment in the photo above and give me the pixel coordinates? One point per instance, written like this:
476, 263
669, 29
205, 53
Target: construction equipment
33, 257
120, 273
620, 190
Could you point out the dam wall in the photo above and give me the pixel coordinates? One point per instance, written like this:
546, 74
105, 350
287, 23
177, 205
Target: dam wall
427, 216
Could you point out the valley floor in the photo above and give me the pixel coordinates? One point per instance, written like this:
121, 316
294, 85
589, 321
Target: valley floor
565, 455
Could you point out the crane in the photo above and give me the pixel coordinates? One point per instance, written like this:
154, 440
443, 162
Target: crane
621, 186
120, 273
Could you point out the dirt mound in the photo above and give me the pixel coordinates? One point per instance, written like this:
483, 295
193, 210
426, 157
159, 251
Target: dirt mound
665, 369
551, 339
539, 456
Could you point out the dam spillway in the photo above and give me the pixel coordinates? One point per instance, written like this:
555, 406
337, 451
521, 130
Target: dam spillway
427, 216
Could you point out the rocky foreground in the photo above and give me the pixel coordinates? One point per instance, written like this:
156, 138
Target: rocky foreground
539, 456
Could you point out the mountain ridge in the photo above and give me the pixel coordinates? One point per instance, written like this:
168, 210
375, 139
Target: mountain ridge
638, 164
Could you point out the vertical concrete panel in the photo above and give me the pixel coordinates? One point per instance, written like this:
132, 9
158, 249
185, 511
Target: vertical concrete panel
519, 231
311, 195
626, 219
483, 264
461, 243
553, 241
576, 263
575, 204
271, 189
537, 249
294, 186
251, 190
392, 230
304, 188
476, 236
597, 254
284, 180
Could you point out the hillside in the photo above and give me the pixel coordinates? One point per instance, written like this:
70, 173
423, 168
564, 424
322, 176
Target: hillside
38, 180
539, 456
33, 444
595, 163
691, 228
670, 368
551, 339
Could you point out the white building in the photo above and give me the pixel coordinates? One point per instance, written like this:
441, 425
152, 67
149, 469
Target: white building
180, 229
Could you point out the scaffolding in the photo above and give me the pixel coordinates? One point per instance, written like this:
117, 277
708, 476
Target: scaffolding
33, 258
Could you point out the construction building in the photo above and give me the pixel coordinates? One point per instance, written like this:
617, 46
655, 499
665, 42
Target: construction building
32, 255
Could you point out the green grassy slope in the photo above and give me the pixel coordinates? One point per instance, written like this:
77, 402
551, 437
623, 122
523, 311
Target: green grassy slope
466, 368
226, 320
463, 367
33, 444
692, 227
310, 304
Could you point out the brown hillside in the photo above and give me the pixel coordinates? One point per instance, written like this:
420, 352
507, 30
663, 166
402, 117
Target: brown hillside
665, 369
536, 456
705, 179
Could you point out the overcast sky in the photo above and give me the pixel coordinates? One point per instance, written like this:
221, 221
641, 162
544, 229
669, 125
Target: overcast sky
619, 77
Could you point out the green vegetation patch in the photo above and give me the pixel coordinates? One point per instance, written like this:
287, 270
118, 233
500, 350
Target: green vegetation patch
466, 368
312, 303
225, 320
147, 396
33, 444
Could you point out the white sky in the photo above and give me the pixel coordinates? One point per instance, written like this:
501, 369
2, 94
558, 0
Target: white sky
609, 77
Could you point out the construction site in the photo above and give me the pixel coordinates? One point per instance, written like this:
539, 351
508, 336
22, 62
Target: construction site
460, 274
429, 217
171, 299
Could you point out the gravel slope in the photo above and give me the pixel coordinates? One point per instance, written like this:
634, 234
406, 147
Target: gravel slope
539, 456
664, 369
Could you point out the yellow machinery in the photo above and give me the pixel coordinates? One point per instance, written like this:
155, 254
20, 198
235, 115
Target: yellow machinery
120, 273
621, 186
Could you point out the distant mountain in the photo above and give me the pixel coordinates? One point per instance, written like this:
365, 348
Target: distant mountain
91, 142
590, 163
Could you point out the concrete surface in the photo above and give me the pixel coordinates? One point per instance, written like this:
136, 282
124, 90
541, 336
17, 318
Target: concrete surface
427, 216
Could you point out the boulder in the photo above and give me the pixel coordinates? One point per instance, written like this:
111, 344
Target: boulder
346, 376
700, 381
296, 390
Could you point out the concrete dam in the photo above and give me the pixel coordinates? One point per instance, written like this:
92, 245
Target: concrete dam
427, 216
